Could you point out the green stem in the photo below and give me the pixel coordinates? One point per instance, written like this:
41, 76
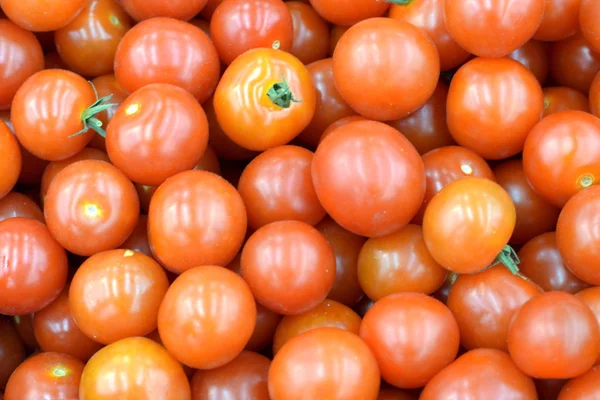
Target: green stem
281, 95
88, 117
399, 2
508, 256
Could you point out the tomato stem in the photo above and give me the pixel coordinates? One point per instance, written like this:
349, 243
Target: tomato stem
281, 94
88, 117
399, 2
508, 256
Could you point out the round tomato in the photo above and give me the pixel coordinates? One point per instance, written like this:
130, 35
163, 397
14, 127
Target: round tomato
561, 20
264, 99
395, 82
574, 63
560, 98
106, 85
334, 37
42, 16
534, 56
373, 204
589, 14
12, 351
178, 9
24, 326
18, 205
586, 386
591, 297
138, 240
10, 160
595, 96
349, 12
264, 331
207, 317
310, 365
311, 33
340, 122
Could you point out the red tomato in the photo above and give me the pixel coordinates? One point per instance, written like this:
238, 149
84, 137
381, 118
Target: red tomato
588, 20
349, 12
554, 336
196, 218
10, 160
480, 374
334, 35
591, 297
562, 155
264, 99
289, 266
381, 202
493, 28
165, 50
18, 205
21, 56
561, 98
209, 161
534, 56
178, 9
24, 326
340, 122
266, 324
34, 266
311, 33
586, 386
42, 16
497, 96
32, 168
595, 96
376, 87
138, 240
561, 20
129, 359
90, 207
574, 63
106, 85
413, 337
207, 317
12, 351
311, 364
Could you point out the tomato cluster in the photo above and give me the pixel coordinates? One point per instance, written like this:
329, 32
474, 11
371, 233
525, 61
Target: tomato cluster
300, 200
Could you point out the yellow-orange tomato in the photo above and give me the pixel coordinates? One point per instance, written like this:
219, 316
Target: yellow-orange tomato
264, 99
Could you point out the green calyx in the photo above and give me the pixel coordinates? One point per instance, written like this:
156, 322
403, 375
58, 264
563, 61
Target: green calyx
88, 117
508, 256
399, 2
281, 95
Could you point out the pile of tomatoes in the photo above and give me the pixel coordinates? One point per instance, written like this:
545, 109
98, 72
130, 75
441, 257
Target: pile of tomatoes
300, 200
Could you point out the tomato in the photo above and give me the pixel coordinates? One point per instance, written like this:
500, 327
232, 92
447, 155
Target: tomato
493, 28
399, 262
264, 99
426, 128
340, 122
534, 214
165, 50
42, 16
534, 56
45, 376
310, 41
289, 266
376, 87
24, 326
56, 330
243, 378
327, 314
560, 98
381, 202
429, 16
481, 374
138, 240
129, 360
447, 164
145, 194
334, 35
207, 317
561, 155
554, 336
595, 96
591, 297
588, 21
497, 96
196, 218
90, 207
53, 61
10, 160
413, 337
311, 364
277, 186
349, 12
574, 63
180, 9
18, 205
468, 223
34, 266
266, 324
106, 85
585, 386
21, 56
542, 263
561, 20
32, 168
12, 351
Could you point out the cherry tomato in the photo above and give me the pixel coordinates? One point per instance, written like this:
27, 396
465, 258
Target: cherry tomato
42, 16
24, 326
10, 160
560, 98
349, 12
90, 207
179, 9
106, 85
376, 87
561, 20
324, 363
480, 374
207, 317
468, 223
138, 240
534, 56
493, 28
341, 122
334, 35
561, 155
264, 99
595, 96
12, 351
243, 378
18, 205
266, 324
589, 15
311, 33
21, 56
196, 218
165, 50
129, 360
497, 96
554, 336
413, 337
574, 63
381, 202
32, 168
591, 297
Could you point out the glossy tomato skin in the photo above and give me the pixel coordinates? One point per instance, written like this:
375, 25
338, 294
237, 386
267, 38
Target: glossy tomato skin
574, 63
534, 56
207, 317
21, 57
241, 25
561, 155
497, 96
289, 266
245, 112
561, 98
377, 204
128, 359
18, 205
48, 135
311, 33
184, 56
554, 336
10, 161
591, 297
180, 9
48, 16
481, 374
196, 218
493, 28
588, 21
375, 87
34, 266
595, 96
585, 386
333, 364
469, 240
561, 20
12, 350
346, 13
106, 85
157, 132
90, 207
